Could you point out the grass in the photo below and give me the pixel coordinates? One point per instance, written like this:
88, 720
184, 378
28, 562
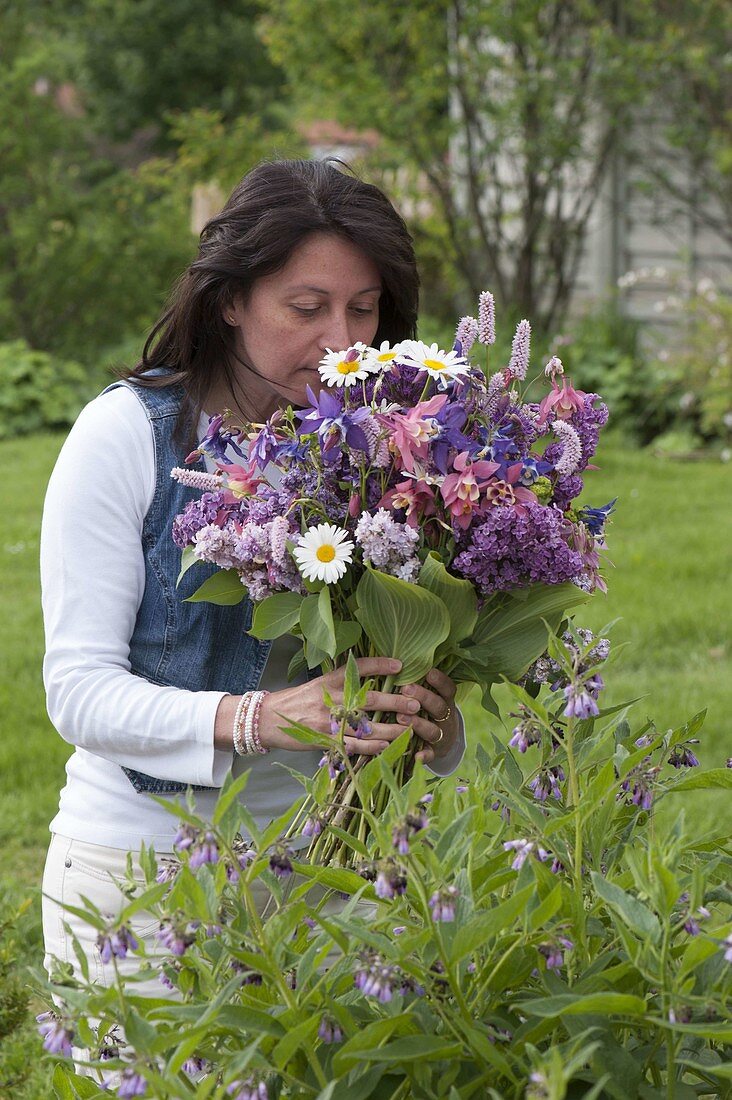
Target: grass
670, 544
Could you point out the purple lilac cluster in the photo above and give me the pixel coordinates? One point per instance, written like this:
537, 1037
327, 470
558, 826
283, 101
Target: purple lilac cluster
512, 549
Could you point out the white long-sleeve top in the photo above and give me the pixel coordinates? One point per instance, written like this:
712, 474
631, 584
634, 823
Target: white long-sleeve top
92, 581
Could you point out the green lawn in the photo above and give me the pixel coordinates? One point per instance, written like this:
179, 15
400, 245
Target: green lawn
670, 544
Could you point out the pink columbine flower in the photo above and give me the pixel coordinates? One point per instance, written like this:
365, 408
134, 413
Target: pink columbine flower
414, 496
461, 489
508, 491
242, 480
564, 401
411, 431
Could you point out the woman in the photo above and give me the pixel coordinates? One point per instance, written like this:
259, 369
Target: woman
146, 687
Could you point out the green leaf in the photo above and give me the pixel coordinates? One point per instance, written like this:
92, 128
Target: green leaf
601, 1004
187, 559
411, 1048
488, 923
508, 638
545, 910
457, 595
69, 1086
402, 620
715, 778
293, 1040
316, 623
348, 634
223, 588
633, 912
276, 615
231, 790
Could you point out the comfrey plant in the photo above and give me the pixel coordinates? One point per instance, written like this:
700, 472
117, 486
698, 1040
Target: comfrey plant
487, 938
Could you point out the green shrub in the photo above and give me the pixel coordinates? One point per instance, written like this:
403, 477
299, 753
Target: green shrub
38, 390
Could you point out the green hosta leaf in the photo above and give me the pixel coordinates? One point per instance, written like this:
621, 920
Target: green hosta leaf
717, 778
508, 638
457, 595
402, 620
276, 615
187, 559
348, 633
223, 588
633, 912
316, 623
601, 1004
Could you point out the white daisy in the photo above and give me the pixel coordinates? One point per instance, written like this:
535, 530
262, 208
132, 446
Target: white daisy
323, 553
442, 365
344, 368
379, 358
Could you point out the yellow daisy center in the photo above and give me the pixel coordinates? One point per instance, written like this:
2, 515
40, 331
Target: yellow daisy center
386, 357
325, 553
435, 364
345, 367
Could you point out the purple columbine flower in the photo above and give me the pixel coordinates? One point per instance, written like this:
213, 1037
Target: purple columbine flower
682, 757
57, 1034
176, 938
595, 518
248, 1089
280, 862
117, 942
204, 851
329, 419
391, 880
580, 703
216, 441
131, 1083
329, 1030
442, 904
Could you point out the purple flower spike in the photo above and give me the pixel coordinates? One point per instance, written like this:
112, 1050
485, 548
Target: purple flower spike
329, 1030
132, 1083
442, 904
519, 362
486, 318
56, 1034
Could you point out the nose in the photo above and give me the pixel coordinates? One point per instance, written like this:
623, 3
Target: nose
340, 331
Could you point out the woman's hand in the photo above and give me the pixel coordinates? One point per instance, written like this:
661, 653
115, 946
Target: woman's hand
304, 703
438, 722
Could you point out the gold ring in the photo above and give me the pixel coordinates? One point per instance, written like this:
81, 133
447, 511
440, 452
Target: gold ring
437, 741
445, 716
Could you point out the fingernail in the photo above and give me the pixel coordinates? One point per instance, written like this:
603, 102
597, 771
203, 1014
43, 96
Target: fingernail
395, 665
413, 705
408, 690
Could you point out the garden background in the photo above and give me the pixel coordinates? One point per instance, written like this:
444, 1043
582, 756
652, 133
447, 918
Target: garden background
122, 124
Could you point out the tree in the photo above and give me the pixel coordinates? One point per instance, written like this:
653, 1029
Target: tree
511, 111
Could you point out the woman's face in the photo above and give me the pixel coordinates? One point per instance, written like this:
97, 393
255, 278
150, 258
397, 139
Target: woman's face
326, 296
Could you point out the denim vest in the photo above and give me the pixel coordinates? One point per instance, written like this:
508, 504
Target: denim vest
196, 646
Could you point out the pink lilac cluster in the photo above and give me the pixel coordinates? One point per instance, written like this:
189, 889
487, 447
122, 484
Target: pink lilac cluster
426, 453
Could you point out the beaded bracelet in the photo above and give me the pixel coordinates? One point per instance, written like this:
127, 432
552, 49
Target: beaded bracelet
246, 724
251, 723
239, 745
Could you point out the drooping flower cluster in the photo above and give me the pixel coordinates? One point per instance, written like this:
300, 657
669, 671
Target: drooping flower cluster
406, 450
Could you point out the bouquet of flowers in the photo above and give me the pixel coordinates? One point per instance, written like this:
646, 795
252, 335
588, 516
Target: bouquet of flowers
419, 507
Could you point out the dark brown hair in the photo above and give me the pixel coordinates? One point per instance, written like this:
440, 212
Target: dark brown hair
270, 212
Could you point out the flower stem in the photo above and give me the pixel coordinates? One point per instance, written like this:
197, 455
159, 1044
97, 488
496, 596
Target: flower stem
574, 801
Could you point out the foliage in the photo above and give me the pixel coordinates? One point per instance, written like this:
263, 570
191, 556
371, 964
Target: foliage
14, 996
543, 948
510, 113
38, 390
140, 60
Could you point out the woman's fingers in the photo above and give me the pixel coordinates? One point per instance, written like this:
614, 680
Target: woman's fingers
437, 706
367, 666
